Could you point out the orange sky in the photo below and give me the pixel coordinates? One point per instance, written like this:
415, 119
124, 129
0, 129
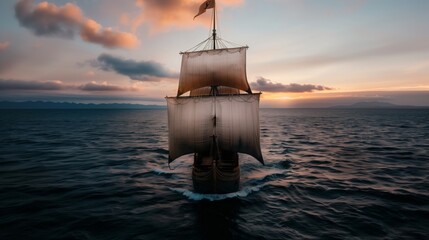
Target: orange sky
302, 52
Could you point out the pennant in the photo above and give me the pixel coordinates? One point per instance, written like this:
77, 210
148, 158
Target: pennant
206, 5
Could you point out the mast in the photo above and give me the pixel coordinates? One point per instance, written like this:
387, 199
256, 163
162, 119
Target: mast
214, 88
214, 27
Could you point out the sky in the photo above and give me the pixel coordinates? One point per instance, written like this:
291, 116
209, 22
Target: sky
302, 53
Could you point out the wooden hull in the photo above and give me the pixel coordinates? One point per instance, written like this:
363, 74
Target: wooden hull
216, 176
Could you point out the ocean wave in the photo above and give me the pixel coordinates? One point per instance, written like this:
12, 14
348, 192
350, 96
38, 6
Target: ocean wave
109, 171
161, 172
217, 197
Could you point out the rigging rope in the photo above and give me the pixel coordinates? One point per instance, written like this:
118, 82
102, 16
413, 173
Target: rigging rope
209, 43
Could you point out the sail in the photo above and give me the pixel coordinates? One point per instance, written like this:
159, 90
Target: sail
220, 67
237, 124
206, 91
191, 124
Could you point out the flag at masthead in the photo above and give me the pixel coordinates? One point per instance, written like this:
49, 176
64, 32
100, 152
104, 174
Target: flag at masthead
204, 6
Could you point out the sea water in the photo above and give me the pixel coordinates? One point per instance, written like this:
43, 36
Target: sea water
103, 174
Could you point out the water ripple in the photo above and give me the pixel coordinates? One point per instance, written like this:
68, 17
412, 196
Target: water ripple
329, 173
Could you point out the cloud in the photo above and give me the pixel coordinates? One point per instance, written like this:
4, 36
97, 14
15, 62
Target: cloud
266, 85
6, 84
162, 15
81, 97
48, 19
143, 70
23, 85
4, 45
93, 32
100, 87
339, 56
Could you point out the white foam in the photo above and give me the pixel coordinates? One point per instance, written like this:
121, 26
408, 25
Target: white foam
217, 197
160, 172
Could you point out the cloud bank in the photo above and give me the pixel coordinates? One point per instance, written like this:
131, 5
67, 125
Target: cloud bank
24, 85
48, 19
162, 15
100, 87
267, 85
142, 70
7, 84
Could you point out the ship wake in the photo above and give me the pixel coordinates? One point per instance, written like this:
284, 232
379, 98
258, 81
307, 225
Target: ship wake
246, 191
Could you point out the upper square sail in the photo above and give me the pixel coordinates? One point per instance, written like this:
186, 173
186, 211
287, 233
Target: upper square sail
218, 67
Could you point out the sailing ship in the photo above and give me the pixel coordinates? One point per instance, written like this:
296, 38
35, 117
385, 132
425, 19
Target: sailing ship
215, 114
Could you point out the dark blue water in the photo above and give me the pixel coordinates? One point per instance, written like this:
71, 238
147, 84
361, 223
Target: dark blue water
103, 174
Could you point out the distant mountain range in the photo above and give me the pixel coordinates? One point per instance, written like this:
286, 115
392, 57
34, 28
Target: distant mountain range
369, 105
71, 105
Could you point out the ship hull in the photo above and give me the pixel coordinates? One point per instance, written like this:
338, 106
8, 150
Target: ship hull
213, 176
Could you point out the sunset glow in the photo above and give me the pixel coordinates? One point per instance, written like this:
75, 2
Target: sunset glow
302, 53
